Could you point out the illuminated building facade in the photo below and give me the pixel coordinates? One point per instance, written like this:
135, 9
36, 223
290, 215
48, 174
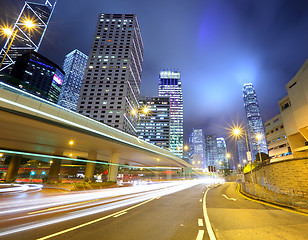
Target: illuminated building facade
37, 74
197, 152
221, 150
111, 86
211, 150
254, 121
170, 86
242, 151
74, 67
278, 145
154, 127
24, 38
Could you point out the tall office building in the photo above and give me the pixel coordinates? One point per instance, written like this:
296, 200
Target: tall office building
254, 121
27, 33
278, 145
37, 74
242, 151
197, 149
111, 85
74, 67
170, 86
211, 150
154, 127
221, 150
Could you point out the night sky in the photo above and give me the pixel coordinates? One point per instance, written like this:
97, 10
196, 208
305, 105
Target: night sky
216, 44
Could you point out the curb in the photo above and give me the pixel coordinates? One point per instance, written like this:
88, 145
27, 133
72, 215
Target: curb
272, 204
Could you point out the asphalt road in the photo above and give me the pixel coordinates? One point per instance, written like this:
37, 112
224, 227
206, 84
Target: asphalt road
155, 214
175, 211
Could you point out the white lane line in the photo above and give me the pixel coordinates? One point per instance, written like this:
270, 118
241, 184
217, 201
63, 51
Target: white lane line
206, 218
200, 222
232, 199
200, 200
120, 214
200, 235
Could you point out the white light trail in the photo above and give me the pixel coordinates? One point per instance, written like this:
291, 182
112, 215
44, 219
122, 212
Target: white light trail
144, 193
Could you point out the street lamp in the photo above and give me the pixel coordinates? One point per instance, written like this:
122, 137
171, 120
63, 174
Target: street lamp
144, 110
12, 34
259, 137
238, 133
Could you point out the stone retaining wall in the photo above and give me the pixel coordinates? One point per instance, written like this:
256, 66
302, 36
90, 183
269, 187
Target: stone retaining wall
283, 176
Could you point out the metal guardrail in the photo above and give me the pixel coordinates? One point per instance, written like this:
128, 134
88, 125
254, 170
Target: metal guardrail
273, 194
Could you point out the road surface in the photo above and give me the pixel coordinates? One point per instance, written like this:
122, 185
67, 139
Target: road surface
158, 212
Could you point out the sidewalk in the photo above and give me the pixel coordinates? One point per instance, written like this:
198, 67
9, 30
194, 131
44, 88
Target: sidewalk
261, 193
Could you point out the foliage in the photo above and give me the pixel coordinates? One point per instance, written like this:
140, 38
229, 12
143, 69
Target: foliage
247, 168
264, 157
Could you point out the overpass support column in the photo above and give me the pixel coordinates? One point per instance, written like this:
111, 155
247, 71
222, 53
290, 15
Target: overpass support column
113, 169
90, 167
54, 170
12, 171
169, 175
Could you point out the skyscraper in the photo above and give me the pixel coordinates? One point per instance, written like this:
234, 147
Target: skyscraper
154, 127
254, 121
242, 151
221, 150
197, 149
74, 67
27, 33
37, 74
111, 85
211, 150
170, 86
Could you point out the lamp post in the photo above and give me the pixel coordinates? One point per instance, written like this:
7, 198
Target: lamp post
12, 34
144, 110
259, 137
238, 132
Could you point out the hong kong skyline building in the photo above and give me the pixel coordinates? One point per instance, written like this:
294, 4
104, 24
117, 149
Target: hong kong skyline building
35, 73
74, 67
254, 121
221, 150
154, 127
27, 33
111, 86
170, 86
242, 151
197, 152
211, 150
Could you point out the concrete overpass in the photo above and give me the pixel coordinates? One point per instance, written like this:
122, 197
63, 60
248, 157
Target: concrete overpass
33, 126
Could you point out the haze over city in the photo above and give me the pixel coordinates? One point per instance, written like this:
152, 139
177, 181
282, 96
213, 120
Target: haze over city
216, 45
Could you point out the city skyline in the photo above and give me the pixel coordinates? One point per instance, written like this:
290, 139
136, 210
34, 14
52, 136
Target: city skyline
265, 68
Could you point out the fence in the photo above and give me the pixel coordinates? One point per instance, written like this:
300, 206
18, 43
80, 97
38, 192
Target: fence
273, 194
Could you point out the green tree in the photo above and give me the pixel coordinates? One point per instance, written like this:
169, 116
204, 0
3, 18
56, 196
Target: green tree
264, 157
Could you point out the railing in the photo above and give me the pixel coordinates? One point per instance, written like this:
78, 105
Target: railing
272, 194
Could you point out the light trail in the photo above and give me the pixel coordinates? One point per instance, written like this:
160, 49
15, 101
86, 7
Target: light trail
86, 208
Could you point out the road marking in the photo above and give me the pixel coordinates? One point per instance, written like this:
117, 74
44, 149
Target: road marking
93, 221
120, 214
63, 206
206, 218
200, 200
268, 204
232, 199
158, 198
200, 222
200, 235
